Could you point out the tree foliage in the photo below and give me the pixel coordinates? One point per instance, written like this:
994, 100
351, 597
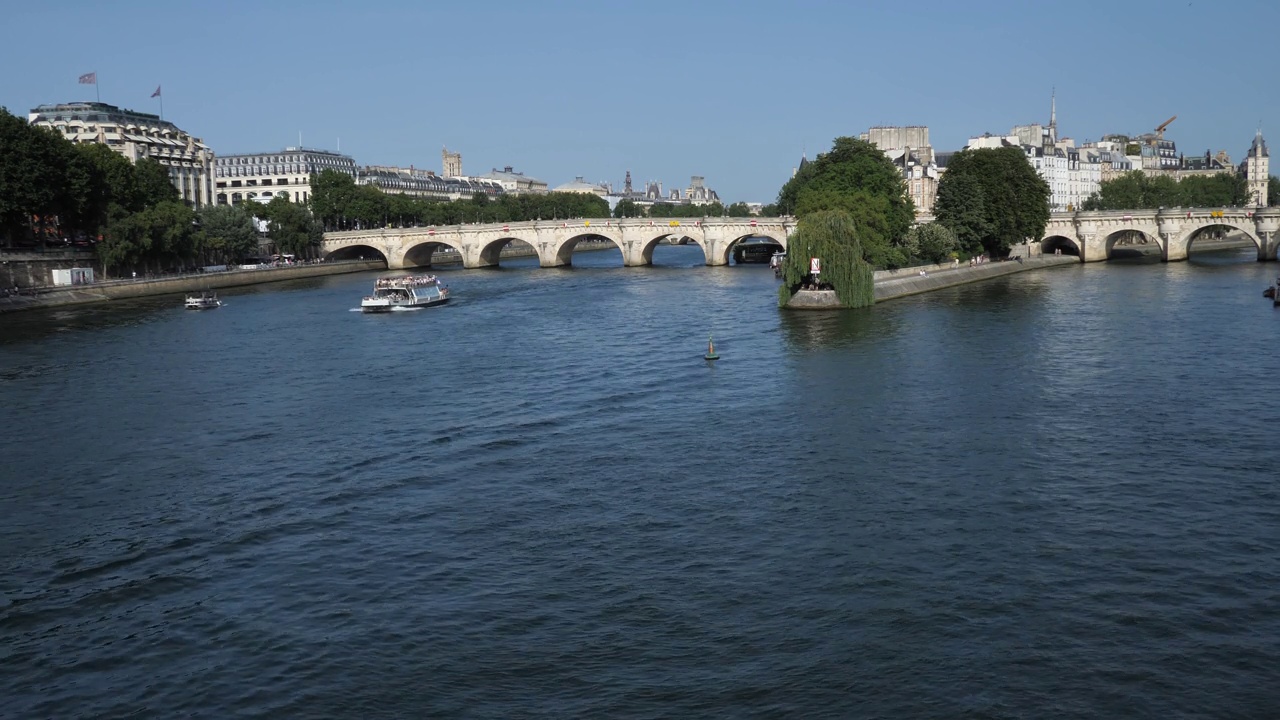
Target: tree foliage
1273, 190
51, 188
340, 204
932, 242
1136, 191
857, 178
162, 235
628, 208
992, 199
292, 228
229, 232
832, 237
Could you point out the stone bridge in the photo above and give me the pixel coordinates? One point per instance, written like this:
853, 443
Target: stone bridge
1092, 235
479, 245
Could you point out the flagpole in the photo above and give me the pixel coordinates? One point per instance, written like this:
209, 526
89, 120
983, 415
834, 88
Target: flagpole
162, 106
97, 94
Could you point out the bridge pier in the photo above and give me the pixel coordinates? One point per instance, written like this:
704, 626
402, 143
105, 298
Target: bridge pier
1267, 223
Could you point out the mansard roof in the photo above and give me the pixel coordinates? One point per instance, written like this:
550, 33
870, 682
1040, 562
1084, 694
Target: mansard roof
1259, 146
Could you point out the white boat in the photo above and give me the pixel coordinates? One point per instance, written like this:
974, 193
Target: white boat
409, 291
204, 301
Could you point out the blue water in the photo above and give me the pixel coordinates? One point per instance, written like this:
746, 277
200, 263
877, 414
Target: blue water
1048, 495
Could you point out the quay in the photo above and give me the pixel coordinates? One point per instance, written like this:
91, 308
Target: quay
196, 282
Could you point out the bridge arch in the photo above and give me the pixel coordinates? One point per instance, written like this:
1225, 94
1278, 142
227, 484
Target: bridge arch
726, 252
419, 254
357, 252
677, 236
1130, 237
1054, 243
489, 253
1208, 230
563, 253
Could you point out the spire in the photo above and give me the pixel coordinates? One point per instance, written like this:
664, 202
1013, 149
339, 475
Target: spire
1053, 108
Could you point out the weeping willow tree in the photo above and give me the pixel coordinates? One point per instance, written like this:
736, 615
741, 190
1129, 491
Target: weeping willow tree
832, 237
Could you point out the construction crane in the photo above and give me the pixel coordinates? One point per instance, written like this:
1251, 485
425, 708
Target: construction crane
1163, 125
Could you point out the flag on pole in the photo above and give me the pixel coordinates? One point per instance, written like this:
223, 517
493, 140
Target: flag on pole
89, 79
157, 92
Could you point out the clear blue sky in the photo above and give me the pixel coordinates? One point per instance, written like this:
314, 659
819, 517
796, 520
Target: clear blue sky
734, 91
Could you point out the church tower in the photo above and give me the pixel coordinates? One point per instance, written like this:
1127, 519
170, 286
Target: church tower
1257, 170
450, 163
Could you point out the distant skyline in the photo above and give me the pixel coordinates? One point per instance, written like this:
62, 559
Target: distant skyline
732, 91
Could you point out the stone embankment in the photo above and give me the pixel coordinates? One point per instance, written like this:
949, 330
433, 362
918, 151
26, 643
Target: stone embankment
892, 284
902, 285
125, 289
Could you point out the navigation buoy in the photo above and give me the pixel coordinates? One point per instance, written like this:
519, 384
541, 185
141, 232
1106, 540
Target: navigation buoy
711, 350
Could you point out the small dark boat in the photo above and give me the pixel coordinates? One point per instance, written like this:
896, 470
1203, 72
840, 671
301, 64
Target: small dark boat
1269, 292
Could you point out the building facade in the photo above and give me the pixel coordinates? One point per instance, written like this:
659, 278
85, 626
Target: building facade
513, 182
1256, 169
136, 135
698, 193
280, 173
424, 183
909, 149
1072, 174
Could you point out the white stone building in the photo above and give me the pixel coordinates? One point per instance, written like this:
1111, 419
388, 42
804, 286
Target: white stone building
284, 172
1072, 175
909, 149
1256, 169
424, 183
513, 182
136, 135
578, 185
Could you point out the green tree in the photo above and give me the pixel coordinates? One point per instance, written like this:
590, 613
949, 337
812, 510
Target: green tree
832, 237
857, 178
738, 209
292, 227
770, 210
960, 201
628, 208
113, 181
229, 231
1136, 191
331, 195
1014, 201
932, 242
33, 170
173, 231
1273, 190
126, 240
154, 183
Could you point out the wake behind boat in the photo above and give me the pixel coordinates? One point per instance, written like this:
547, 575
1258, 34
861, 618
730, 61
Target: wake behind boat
409, 291
204, 301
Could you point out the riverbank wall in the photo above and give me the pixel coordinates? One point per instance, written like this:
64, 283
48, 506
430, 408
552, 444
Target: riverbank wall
891, 284
34, 269
126, 289
902, 285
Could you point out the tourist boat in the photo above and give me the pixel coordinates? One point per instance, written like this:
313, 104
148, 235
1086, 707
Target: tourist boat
204, 301
409, 291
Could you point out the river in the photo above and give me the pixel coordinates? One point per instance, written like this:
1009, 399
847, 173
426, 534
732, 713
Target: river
1053, 494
